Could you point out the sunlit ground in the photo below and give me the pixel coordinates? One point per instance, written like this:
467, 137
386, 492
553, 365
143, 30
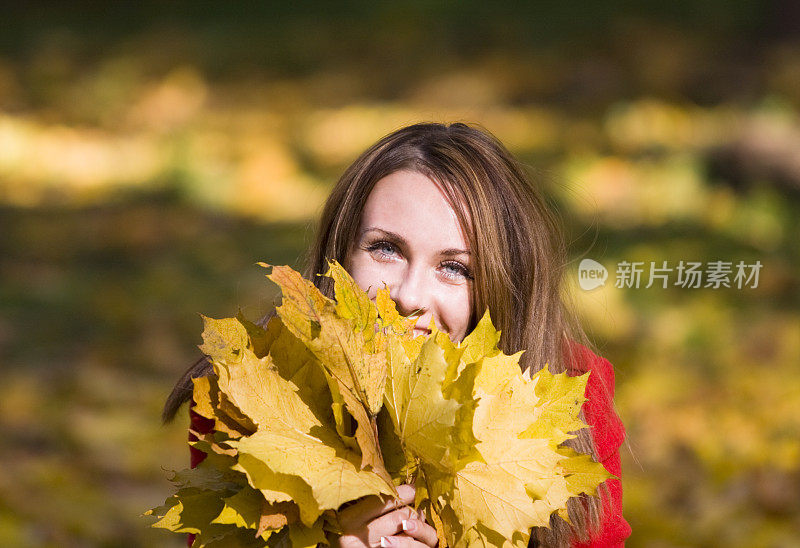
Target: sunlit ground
134, 199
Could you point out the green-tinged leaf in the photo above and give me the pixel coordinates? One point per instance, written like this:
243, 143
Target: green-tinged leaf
307, 537
280, 539
208, 478
192, 510
278, 487
329, 471
238, 538
242, 509
397, 464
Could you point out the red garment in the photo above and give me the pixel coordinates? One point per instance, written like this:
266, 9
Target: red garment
200, 425
608, 434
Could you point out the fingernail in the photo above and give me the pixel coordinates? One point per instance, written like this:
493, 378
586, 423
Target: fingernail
384, 542
408, 525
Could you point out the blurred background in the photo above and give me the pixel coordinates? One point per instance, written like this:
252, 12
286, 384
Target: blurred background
151, 153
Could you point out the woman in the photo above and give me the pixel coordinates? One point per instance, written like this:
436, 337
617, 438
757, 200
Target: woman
448, 220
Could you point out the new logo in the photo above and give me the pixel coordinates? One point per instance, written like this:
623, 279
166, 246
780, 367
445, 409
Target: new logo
591, 274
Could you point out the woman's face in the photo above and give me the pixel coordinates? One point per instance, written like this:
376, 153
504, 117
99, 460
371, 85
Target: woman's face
410, 239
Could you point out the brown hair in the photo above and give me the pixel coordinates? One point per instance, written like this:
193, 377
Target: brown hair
518, 258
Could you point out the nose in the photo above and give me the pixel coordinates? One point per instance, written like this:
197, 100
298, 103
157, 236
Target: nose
411, 294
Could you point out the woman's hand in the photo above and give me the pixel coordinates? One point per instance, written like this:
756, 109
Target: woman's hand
372, 522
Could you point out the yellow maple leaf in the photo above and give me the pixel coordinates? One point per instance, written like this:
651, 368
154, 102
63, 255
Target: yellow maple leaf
480, 439
339, 346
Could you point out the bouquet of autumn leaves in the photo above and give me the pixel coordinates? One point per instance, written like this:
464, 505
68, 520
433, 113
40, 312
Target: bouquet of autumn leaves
335, 400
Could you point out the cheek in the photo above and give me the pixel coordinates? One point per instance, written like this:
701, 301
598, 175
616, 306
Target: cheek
369, 275
456, 311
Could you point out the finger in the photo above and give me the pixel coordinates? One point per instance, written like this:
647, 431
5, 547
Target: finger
389, 524
400, 541
420, 530
372, 507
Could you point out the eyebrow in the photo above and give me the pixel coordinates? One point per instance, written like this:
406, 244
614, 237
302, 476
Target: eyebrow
450, 252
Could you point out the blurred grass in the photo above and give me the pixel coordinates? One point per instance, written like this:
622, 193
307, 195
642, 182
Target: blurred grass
151, 154
100, 311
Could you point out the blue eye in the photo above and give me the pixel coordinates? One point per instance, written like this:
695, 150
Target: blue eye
455, 269
382, 247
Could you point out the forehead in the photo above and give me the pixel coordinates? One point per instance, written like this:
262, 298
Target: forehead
412, 205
